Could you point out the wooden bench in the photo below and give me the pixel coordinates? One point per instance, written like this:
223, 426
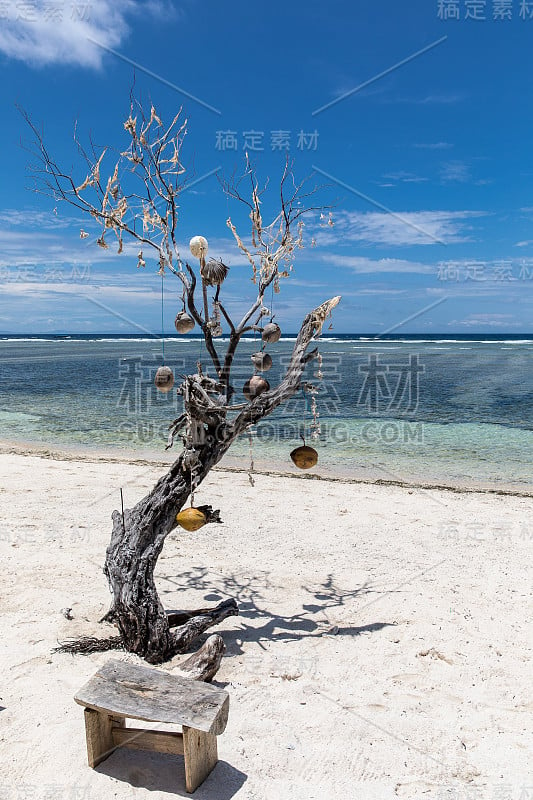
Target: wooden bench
120, 690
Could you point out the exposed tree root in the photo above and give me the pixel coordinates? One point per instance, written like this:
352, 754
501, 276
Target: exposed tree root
85, 645
225, 609
203, 665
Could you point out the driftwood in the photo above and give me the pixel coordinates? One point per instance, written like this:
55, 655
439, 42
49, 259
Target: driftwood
136, 692
146, 210
120, 691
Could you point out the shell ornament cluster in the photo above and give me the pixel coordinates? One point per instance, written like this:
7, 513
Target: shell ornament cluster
213, 273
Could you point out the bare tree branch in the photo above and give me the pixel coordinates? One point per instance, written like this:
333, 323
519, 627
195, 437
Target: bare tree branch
134, 193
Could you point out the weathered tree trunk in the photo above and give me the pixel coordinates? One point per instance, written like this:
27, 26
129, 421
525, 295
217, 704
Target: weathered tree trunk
136, 543
138, 538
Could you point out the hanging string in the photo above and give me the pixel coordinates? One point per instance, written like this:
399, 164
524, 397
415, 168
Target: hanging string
250, 432
162, 320
305, 410
200, 356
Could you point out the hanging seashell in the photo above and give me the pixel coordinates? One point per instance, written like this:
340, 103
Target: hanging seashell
198, 246
255, 386
262, 361
304, 457
191, 519
164, 379
271, 333
84, 234
183, 322
214, 272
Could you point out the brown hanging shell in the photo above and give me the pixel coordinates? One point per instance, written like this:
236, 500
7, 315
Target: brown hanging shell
254, 387
271, 333
213, 272
304, 457
183, 322
191, 519
262, 361
164, 379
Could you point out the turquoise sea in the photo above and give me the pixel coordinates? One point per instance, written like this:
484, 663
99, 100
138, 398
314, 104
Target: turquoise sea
452, 410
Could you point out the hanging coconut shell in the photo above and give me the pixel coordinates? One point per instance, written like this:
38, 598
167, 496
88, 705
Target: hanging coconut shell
254, 387
262, 361
271, 333
191, 519
304, 457
183, 322
198, 246
164, 379
214, 272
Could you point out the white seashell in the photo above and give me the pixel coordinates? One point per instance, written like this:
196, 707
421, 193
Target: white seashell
271, 333
198, 246
183, 322
214, 272
261, 361
164, 379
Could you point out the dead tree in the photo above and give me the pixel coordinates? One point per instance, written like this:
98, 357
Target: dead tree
138, 199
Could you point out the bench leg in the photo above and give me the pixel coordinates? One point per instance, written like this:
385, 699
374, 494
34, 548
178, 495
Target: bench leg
98, 727
201, 755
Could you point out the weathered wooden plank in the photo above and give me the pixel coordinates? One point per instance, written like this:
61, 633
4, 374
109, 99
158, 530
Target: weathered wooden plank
100, 744
148, 694
140, 739
201, 756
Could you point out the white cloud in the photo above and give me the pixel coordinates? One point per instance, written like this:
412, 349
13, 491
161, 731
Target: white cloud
455, 172
42, 33
434, 146
32, 219
449, 98
41, 239
49, 290
359, 264
399, 228
404, 177
487, 321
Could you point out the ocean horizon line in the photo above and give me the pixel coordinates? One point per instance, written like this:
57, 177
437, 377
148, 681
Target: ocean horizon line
289, 335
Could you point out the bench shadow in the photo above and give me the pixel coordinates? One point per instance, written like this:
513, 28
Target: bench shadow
160, 772
256, 623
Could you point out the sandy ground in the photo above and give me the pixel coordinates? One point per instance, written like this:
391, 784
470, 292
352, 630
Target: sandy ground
382, 650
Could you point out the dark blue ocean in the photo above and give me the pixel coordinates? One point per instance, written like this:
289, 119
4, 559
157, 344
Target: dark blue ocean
455, 410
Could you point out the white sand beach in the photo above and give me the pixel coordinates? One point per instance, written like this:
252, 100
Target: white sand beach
383, 647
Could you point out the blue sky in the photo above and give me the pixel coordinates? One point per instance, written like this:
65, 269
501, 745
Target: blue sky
418, 123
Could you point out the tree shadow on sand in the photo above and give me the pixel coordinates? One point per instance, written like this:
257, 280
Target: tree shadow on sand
258, 623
